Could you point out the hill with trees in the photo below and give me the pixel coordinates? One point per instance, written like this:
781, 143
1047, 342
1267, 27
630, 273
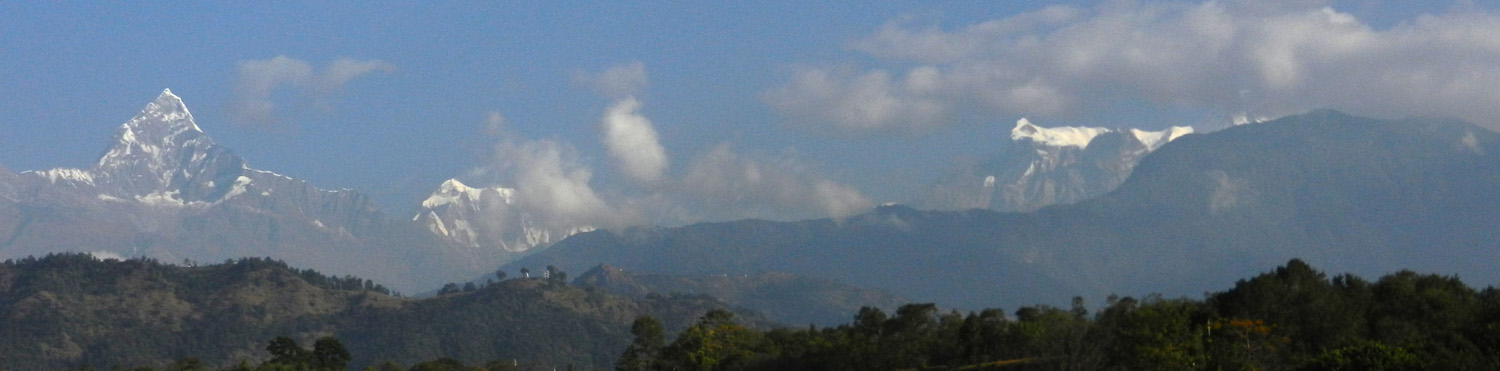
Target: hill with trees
73, 310
781, 297
1293, 318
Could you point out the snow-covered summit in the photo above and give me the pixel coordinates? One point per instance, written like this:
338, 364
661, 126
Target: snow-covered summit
453, 191
150, 150
1048, 166
1155, 139
1079, 137
486, 218
1063, 136
160, 157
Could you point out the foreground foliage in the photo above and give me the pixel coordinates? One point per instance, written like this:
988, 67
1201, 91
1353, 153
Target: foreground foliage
1292, 318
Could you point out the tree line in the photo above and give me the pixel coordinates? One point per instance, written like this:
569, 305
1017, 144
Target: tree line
1293, 318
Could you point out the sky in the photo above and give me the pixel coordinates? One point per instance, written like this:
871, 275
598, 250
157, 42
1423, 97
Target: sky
671, 112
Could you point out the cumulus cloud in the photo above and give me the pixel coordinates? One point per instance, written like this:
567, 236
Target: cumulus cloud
551, 182
553, 186
1061, 62
258, 80
632, 143
616, 82
729, 185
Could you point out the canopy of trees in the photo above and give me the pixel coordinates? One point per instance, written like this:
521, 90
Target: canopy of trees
1292, 318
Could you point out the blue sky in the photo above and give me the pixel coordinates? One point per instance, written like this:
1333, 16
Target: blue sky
754, 109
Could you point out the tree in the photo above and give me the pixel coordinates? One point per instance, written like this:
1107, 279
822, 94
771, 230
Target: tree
442, 364
526, 272
329, 354
186, 364
500, 275
715, 342
285, 351
643, 352
1369, 356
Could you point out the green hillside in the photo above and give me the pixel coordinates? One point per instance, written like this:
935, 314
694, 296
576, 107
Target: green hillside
71, 310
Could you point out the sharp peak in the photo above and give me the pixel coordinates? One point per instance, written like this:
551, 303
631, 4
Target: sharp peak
167, 107
454, 183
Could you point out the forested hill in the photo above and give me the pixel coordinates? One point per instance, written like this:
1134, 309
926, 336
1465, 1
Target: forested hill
72, 310
1292, 318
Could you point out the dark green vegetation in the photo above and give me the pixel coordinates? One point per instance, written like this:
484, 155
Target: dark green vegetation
781, 297
1347, 193
68, 311
1292, 318
71, 310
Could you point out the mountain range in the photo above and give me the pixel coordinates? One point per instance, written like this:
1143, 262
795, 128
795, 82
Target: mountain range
1098, 211
1349, 193
165, 190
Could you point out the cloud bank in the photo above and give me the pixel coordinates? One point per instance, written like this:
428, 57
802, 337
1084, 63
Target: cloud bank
728, 185
1262, 58
258, 80
551, 181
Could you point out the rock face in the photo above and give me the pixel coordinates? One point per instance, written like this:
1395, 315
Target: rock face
165, 190
1047, 166
485, 219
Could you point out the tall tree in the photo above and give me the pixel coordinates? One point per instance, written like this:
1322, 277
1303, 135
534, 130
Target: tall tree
643, 352
329, 354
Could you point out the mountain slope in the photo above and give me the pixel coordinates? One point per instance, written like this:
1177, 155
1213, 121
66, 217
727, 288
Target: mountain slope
781, 297
1047, 166
1348, 193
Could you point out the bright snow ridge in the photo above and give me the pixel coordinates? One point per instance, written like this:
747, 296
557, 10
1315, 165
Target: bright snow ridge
1074, 136
1155, 139
64, 174
453, 190
1065, 136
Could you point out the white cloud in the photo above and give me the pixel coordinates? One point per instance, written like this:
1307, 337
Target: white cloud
342, 70
632, 143
552, 183
727, 185
258, 80
1062, 62
616, 82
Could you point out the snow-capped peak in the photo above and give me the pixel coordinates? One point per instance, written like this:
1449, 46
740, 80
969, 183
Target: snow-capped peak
1155, 139
1245, 118
169, 108
1063, 136
452, 191
152, 139
1077, 136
